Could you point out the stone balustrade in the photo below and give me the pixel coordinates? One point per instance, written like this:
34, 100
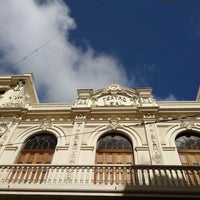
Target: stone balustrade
138, 175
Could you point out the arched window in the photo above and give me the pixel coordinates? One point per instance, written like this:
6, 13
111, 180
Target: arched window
38, 149
188, 146
114, 148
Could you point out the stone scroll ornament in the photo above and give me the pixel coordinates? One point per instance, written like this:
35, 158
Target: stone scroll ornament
3, 129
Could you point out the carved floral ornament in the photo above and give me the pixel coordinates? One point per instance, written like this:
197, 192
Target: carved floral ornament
188, 125
45, 125
114, 89
113, 124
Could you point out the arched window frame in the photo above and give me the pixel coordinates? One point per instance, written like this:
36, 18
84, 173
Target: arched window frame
39, 141
114, 149
113, 154
111, 142
188, 147
37, 149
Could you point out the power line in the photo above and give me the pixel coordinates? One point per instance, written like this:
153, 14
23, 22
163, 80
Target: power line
92, 10
81, 18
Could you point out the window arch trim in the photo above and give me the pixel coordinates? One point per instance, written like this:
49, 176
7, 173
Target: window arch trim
43, 140
38, 149
114, 141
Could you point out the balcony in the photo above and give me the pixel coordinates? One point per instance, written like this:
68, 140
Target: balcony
100, 180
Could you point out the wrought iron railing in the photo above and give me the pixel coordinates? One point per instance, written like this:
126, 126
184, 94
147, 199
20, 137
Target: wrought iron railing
137, 175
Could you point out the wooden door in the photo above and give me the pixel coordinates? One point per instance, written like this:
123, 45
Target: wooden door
38, 149
115, 154
119, 156
188, 145
28, 173
35, 156
190, 157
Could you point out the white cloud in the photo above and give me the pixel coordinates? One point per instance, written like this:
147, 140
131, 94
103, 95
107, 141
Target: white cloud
59, 67
171, 97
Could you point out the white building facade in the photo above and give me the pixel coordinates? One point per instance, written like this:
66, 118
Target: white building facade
113, 142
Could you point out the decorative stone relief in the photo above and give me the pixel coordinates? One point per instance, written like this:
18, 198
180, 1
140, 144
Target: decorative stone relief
146, 98
93, 101
187, 125
148, 116
135, 100
114, 89
17, 96
45, 125
155, 151
156, 154
76, 138
114, 124
75, 146
16, 119
115, 95
80, 118
147, 101
83, 98
81, 101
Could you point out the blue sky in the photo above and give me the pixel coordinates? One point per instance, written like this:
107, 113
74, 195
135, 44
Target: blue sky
157, 41
140, 43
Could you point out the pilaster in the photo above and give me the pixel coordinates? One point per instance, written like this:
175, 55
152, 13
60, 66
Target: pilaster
152, 134
148, 107
75, 141
8, 148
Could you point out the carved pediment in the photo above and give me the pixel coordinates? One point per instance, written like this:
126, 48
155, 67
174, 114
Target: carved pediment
115, 95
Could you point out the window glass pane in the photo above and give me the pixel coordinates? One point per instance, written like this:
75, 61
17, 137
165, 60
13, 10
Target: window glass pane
41, 141
188, 141
114, 141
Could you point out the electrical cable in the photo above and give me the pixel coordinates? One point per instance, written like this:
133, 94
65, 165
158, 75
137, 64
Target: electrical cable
61, 32
136, 124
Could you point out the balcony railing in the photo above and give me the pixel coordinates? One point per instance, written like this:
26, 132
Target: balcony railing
138, 175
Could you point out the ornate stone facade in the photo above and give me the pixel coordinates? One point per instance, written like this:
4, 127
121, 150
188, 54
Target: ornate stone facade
151, 126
